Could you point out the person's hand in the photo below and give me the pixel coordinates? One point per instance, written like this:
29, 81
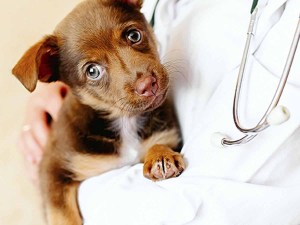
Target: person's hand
42, 109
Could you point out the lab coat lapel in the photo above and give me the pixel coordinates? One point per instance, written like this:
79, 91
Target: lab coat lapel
269, 14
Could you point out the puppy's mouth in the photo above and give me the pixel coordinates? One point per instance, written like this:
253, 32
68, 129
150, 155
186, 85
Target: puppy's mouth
157, 101
151, 103
145, 104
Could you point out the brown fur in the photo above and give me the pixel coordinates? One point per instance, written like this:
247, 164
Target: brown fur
104, 123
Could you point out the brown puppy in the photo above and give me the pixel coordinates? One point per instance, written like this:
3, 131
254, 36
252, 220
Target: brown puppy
116, 113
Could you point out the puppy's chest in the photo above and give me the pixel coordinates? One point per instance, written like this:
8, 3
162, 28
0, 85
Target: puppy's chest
101, 136
122, 137
130, 148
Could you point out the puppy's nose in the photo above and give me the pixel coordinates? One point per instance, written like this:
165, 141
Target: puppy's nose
146, 86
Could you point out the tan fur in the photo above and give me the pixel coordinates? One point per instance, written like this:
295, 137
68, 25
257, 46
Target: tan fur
94, 102
169, 138
71, 215
85, 166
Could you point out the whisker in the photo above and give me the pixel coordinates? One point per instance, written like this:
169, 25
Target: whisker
120, 99
176, 70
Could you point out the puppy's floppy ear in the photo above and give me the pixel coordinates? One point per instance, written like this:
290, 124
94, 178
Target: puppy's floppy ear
40, 62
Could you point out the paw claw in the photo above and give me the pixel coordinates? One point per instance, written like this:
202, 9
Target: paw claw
164, 164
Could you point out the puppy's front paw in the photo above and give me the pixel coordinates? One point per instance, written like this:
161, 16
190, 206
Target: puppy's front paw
161, 163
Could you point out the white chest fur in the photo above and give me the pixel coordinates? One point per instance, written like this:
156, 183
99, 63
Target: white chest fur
130, 149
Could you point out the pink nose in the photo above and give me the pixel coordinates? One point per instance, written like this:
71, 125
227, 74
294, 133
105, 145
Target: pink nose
146, 86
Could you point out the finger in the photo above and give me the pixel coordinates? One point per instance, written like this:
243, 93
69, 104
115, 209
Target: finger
32, 155
29, 146
55, 101
33, 173
48, 97
39, 127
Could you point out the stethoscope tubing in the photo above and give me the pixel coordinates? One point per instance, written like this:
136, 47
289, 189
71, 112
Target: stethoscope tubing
250, 133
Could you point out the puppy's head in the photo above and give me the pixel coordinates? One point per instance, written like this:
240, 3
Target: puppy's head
105, 51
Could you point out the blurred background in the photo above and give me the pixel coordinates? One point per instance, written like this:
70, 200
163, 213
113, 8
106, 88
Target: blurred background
22, 23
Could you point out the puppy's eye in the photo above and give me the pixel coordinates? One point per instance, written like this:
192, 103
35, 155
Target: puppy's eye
134, 36
94, 71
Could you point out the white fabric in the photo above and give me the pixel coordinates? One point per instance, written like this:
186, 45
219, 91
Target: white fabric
201, 43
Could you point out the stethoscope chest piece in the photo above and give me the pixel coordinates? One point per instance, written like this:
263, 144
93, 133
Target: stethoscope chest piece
278, 115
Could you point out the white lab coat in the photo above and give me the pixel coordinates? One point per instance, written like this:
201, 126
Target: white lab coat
253, 184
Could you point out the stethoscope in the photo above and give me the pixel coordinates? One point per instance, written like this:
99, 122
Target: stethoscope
275, 114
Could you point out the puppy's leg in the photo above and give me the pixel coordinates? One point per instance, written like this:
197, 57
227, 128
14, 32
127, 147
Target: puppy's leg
84, 166
59, 185
67, 212
60, 194
160, 161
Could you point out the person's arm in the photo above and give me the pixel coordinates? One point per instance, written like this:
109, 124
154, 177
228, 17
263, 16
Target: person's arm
42, 109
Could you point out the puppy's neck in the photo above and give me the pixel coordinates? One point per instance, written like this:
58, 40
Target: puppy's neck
118, 122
